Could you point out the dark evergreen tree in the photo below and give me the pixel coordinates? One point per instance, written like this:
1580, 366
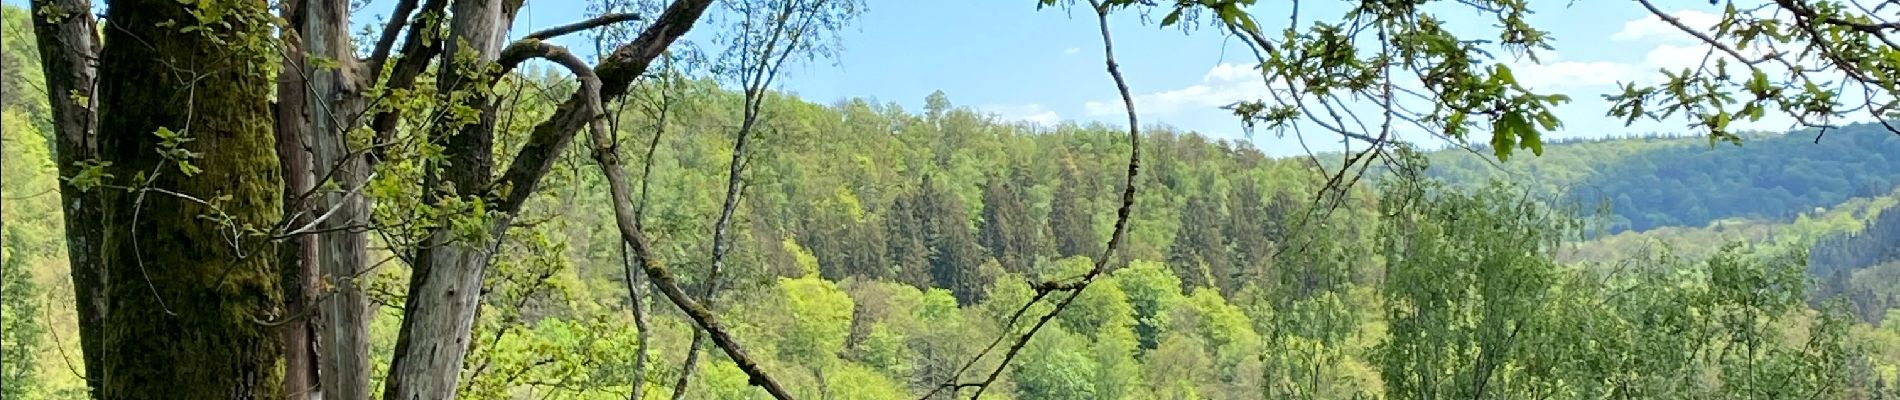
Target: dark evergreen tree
1071, 218
1199, 254
1008, 231
864, 254
1251, 231
1860, 267
954, 256
907, 253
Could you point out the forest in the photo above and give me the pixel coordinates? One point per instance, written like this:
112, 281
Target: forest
1650, 182
241, 199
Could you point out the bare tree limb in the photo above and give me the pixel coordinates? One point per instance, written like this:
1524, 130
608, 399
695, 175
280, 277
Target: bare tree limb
653, 145
636, 282
605, 153
398, 18
1699, 35
590, 23
636, 299
757, 78
418, 48
536, 157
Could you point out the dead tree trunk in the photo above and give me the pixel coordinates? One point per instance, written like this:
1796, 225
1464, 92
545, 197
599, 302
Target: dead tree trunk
299, 255
343, 309
446, 284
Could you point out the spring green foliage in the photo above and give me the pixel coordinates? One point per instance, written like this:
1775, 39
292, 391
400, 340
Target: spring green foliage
1360, 306
26, 241
877, 249
37, 324
895, 317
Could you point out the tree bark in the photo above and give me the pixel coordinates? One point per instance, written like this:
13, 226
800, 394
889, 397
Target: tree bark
637, 297
191, 317
445, 288
68, 42
300, 256
343, 329
315, 106
617, 74
418, 47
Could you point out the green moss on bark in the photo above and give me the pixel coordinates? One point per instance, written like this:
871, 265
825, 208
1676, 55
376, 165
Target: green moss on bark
187, 282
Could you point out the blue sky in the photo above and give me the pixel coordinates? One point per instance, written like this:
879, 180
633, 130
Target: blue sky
1009, 58
1020, 63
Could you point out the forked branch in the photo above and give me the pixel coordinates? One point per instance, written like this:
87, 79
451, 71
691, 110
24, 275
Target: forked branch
606, 154
630, 232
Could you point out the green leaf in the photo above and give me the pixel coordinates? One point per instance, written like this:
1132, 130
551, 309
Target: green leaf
1171, 18
1502, 74
1514, 130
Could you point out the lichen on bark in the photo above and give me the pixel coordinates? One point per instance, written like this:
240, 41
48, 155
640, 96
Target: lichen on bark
195, 280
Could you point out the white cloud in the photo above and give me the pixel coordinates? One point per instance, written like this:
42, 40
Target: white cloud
1672, 50
1556, 73
1071, 51
1031, 113
1653, 28
1674, 58
1222, 85
1227, 72
1689, 56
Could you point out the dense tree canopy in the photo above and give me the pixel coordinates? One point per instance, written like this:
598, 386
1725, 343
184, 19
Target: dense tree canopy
446, 219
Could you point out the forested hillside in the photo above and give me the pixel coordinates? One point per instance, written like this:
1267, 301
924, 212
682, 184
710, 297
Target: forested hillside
1862, 265
1651, 182
849, 270
862, 250
1799, 190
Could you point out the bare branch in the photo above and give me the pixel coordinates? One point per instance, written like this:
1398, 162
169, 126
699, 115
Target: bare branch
584, 109
758, 70
636, 285
628, 62
630, 232
1806, 12
1699, 35
590, 23
417, 49
384, 43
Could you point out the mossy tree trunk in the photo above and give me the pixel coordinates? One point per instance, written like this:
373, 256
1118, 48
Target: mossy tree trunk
196, 280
